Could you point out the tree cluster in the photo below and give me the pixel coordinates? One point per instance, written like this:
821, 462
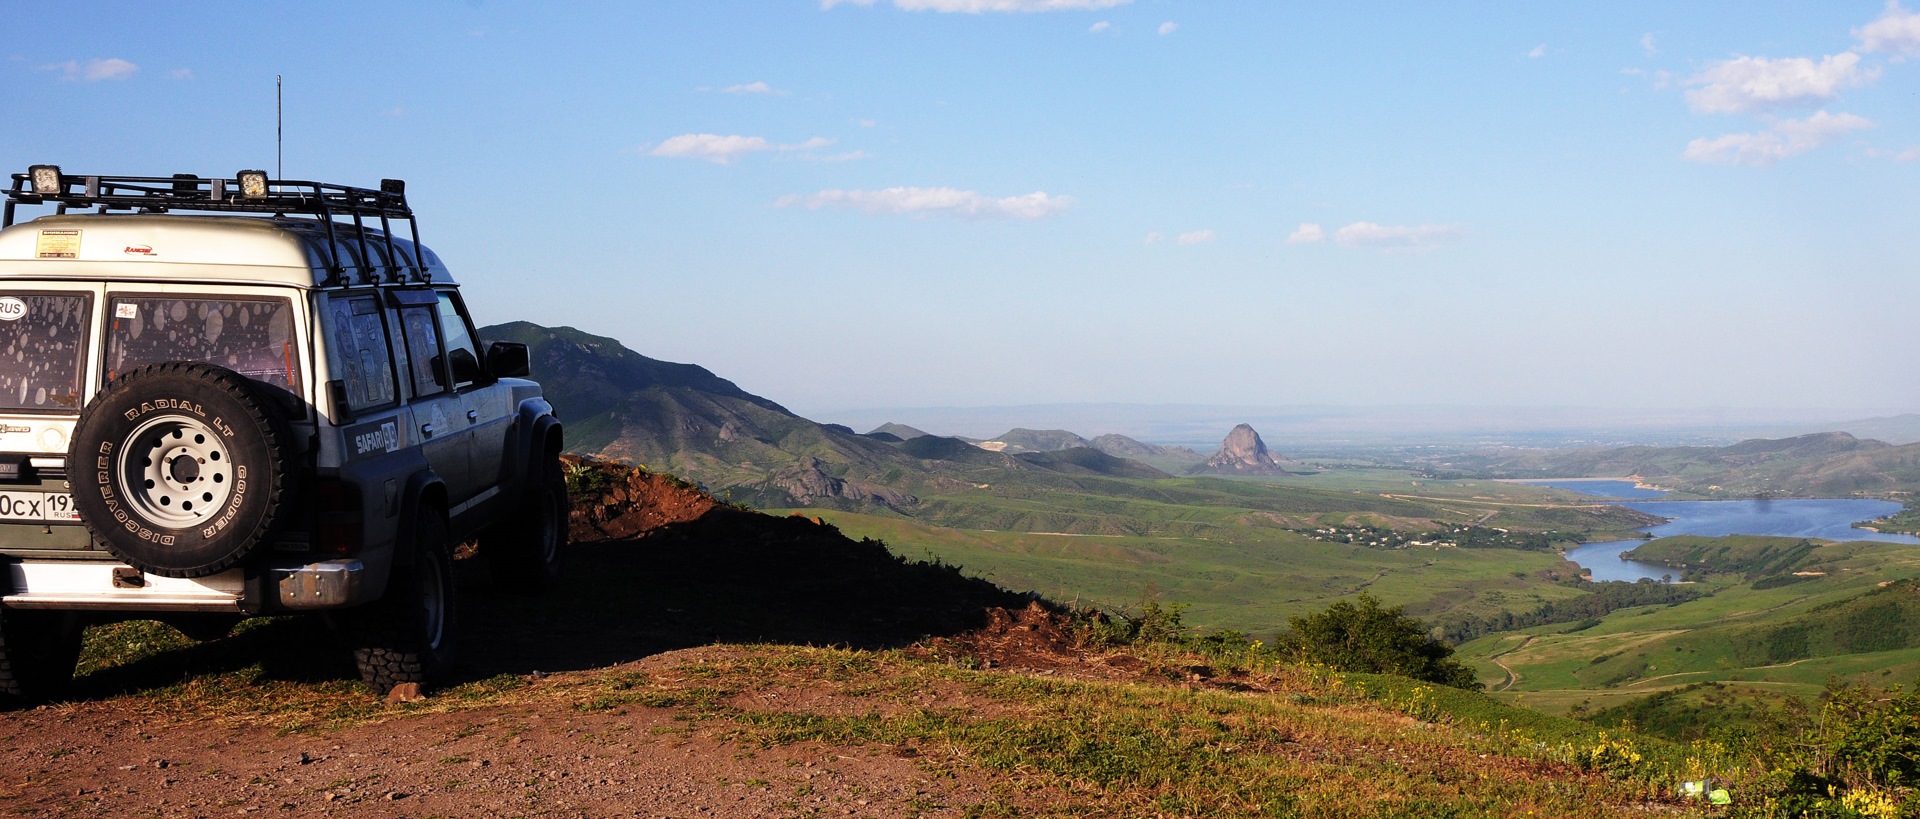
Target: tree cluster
1606, 598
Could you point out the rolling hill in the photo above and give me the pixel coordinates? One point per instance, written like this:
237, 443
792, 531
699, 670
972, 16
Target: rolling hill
1827, 464
681, 418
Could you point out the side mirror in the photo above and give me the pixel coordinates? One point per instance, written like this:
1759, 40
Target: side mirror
507, 359
465, 368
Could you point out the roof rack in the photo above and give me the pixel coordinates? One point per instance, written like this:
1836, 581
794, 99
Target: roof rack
246, 192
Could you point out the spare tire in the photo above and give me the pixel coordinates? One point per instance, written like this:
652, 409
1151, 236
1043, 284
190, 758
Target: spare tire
181, 468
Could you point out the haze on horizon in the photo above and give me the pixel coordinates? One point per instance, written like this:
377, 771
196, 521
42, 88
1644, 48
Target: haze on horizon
913, 203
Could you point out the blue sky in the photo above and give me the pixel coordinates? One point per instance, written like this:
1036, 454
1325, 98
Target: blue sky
993, 202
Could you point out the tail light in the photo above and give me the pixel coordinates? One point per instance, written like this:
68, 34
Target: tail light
338, 518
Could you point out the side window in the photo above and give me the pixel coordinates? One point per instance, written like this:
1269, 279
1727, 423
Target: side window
357, 350
423, 350
462, 355
253, 337
42, 344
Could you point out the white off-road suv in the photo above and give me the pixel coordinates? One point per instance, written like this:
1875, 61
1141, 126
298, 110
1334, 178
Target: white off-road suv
232, 397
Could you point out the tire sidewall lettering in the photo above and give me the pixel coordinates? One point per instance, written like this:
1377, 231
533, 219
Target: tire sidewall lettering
245, 432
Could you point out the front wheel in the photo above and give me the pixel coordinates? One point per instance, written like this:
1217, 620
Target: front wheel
524, 553
411, 634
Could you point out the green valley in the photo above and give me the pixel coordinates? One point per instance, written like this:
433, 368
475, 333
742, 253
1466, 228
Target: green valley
1112, 523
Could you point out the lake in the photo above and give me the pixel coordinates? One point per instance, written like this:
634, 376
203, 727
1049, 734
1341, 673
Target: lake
1824, 518
1604, 488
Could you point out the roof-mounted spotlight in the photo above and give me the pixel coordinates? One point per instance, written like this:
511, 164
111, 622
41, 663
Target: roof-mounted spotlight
253, 184
46, 179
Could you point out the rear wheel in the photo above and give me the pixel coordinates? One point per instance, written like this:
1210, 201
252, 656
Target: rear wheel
38, 651
524, 552
411, 634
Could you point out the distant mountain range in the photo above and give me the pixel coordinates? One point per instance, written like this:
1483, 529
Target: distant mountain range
1829, 464
1327, 429
682, 418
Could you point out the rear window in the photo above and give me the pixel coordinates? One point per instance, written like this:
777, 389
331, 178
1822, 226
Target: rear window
253, 337
42, 346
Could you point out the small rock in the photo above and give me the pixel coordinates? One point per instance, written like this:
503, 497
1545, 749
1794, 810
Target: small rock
405, 692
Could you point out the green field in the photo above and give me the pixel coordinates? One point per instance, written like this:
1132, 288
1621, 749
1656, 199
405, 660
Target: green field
1243, 554
1253, 586
1788, 639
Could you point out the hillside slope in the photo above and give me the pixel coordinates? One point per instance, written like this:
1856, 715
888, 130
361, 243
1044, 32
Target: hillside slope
681, 418
680, 670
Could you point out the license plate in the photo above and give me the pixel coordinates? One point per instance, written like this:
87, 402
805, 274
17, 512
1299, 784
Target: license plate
37, 506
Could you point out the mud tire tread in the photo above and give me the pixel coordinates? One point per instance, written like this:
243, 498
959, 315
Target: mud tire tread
38, 653
390, 646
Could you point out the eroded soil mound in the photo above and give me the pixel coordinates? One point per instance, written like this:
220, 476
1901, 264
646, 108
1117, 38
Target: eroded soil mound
615, 501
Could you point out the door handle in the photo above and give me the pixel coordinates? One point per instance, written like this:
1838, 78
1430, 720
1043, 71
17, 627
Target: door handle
427, 430
472, 416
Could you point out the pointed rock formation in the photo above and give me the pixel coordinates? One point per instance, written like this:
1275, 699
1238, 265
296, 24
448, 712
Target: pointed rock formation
1243, 453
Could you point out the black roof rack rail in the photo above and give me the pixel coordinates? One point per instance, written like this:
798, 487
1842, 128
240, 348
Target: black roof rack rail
245, 192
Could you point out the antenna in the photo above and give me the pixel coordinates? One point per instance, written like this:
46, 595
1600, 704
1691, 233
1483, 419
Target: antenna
278, 130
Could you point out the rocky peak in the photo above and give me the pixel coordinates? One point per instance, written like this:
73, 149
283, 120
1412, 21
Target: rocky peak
1243, 451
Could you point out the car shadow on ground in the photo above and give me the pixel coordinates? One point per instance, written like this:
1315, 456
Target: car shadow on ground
728, 576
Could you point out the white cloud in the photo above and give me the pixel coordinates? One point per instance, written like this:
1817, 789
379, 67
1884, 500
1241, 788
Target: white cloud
1168, 27
1155, 238
112, 68
711, 147
1538, 51
1306, 233
933, 202
1646, 44
181, 74
1758, 83
1896, 32
1395, 237
396, 112
748, 88
721, 149
1785, 138
867, 123
1100, 26
1909, 155
1196, 237
978, 6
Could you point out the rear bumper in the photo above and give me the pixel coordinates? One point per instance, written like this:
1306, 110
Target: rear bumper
329, 584
88, 585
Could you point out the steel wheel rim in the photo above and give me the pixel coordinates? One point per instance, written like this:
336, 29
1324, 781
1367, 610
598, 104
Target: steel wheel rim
551, 519
175, 471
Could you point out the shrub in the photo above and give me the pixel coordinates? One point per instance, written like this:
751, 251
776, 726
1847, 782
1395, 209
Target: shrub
1361, 636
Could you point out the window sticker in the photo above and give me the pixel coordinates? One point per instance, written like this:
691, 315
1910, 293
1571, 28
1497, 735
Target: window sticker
126, 310
12, 308
58, 244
